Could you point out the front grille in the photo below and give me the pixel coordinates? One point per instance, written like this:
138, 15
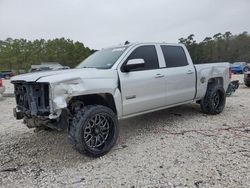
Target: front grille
32, 98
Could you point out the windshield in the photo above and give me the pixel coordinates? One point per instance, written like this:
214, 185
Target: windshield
103, 59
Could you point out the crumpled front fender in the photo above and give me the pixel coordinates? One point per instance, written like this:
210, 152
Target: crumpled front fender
61, 93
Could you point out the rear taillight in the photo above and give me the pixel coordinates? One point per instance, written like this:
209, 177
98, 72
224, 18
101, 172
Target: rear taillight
230, 72
1, 82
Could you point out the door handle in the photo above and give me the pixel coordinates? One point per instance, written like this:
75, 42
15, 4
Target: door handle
190, 72
159, 76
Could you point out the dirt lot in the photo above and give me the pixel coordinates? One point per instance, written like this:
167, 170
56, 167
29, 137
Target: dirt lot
178, 147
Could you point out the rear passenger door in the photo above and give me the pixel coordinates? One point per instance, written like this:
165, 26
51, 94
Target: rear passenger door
143, 89
180, 75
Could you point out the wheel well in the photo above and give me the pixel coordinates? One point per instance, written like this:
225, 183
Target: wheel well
105, 99
217, 81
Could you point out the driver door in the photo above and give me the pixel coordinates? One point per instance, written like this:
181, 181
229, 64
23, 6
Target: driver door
143, 89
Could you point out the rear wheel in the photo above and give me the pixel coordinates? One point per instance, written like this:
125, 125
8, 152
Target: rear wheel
214, 100
94, 130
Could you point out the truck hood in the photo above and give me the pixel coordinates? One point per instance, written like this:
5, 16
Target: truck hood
64, 75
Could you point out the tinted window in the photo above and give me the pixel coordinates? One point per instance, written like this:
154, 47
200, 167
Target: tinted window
149, 54
174, 56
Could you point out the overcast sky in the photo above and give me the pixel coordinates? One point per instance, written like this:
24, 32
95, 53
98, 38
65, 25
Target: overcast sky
101, 23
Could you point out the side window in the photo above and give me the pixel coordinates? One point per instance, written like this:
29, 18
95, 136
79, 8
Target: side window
149, 54
174, 56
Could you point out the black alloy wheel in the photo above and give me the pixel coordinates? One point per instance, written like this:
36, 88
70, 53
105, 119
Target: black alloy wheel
94, 130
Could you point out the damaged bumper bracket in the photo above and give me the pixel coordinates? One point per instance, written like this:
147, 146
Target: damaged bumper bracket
17, 114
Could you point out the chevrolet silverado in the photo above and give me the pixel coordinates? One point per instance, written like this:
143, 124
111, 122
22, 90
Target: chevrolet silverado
116, 83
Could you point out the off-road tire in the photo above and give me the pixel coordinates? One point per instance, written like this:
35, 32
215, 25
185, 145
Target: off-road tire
84, 125
214, 101
247, 84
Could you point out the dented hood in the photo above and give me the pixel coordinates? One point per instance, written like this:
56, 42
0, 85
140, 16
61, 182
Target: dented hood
64, 75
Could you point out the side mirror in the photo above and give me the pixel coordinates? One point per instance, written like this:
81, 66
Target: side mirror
133, 64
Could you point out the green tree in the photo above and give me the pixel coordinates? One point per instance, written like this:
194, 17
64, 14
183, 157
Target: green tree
220, 47
16, 54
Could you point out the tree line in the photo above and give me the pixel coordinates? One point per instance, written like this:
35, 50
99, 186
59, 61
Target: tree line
19, 54
219, 48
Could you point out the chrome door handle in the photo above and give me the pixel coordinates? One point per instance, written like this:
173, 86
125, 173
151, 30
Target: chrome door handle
190, 72
159, 76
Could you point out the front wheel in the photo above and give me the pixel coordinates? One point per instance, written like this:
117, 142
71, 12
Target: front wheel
94, 130
214, 101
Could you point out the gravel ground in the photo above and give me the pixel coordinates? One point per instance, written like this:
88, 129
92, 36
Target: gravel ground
177, 147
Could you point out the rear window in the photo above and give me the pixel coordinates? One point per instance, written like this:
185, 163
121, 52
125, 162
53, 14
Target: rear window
174, 56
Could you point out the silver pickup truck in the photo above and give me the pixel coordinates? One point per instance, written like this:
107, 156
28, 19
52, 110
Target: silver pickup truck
117, 83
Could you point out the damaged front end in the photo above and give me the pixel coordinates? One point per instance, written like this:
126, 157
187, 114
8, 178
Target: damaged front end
32, 99
33, 105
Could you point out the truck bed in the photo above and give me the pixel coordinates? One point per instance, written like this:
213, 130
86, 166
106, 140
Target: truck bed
211, 70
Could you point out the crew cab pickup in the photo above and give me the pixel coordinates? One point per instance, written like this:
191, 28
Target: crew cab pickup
117, 83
